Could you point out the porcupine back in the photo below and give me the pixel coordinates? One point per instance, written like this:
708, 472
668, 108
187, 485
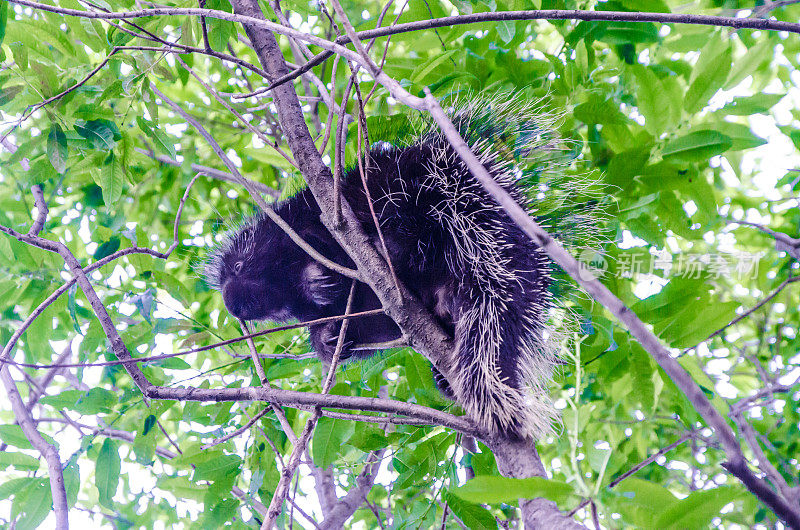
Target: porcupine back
491, 281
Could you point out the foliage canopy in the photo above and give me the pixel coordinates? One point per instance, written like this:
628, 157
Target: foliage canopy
691, 127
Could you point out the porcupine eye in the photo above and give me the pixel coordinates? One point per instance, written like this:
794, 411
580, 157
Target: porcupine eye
237, 267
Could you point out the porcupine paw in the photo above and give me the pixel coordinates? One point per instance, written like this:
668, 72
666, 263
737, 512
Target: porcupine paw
324, 339
442, 384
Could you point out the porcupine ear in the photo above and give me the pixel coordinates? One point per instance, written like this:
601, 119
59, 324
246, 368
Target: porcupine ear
321, 286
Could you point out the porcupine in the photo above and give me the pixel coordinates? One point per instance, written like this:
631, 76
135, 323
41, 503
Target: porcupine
485, 281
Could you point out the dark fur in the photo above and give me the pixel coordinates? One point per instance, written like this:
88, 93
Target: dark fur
263, 275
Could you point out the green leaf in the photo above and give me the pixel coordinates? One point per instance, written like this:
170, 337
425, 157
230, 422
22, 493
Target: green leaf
652, 100
174, 287
652, 6
506, 30
597, 110
626, 165
698, 508
598, 458
182, 487
20, 53
697, 146
493, 490
102, 134
419, 376
72, 481
329, 436
66, 399
710, 74
11, 487
763, 52
642, 501
219, 31
646, 493
149, 98
111, 180
430, 65
144, 445
13, 435
112, 91
149, 422
687, 331
741, 136
10, 92
223, 468
97, 400
20, 461
57, 148
34, 503
107, 248
161, 140
642, 203
628, 32
3, 19
471, 514
756, 104
106, 473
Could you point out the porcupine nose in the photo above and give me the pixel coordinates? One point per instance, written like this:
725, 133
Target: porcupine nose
236, 301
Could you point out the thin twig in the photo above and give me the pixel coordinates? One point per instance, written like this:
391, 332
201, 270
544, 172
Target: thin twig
237, 432
282, 488
262, 376
209, 172
199, 349
759, 305
202, 4
263, 137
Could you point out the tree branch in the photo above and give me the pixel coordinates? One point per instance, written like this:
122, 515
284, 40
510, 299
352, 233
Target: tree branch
23, 415
50, 454
282, 489
209, 172
294, 398
357, 494
737, 463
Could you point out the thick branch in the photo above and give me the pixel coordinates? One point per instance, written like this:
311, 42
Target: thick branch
41, 207
22, 412
324, 486
293, 398
50, 454
348, 504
